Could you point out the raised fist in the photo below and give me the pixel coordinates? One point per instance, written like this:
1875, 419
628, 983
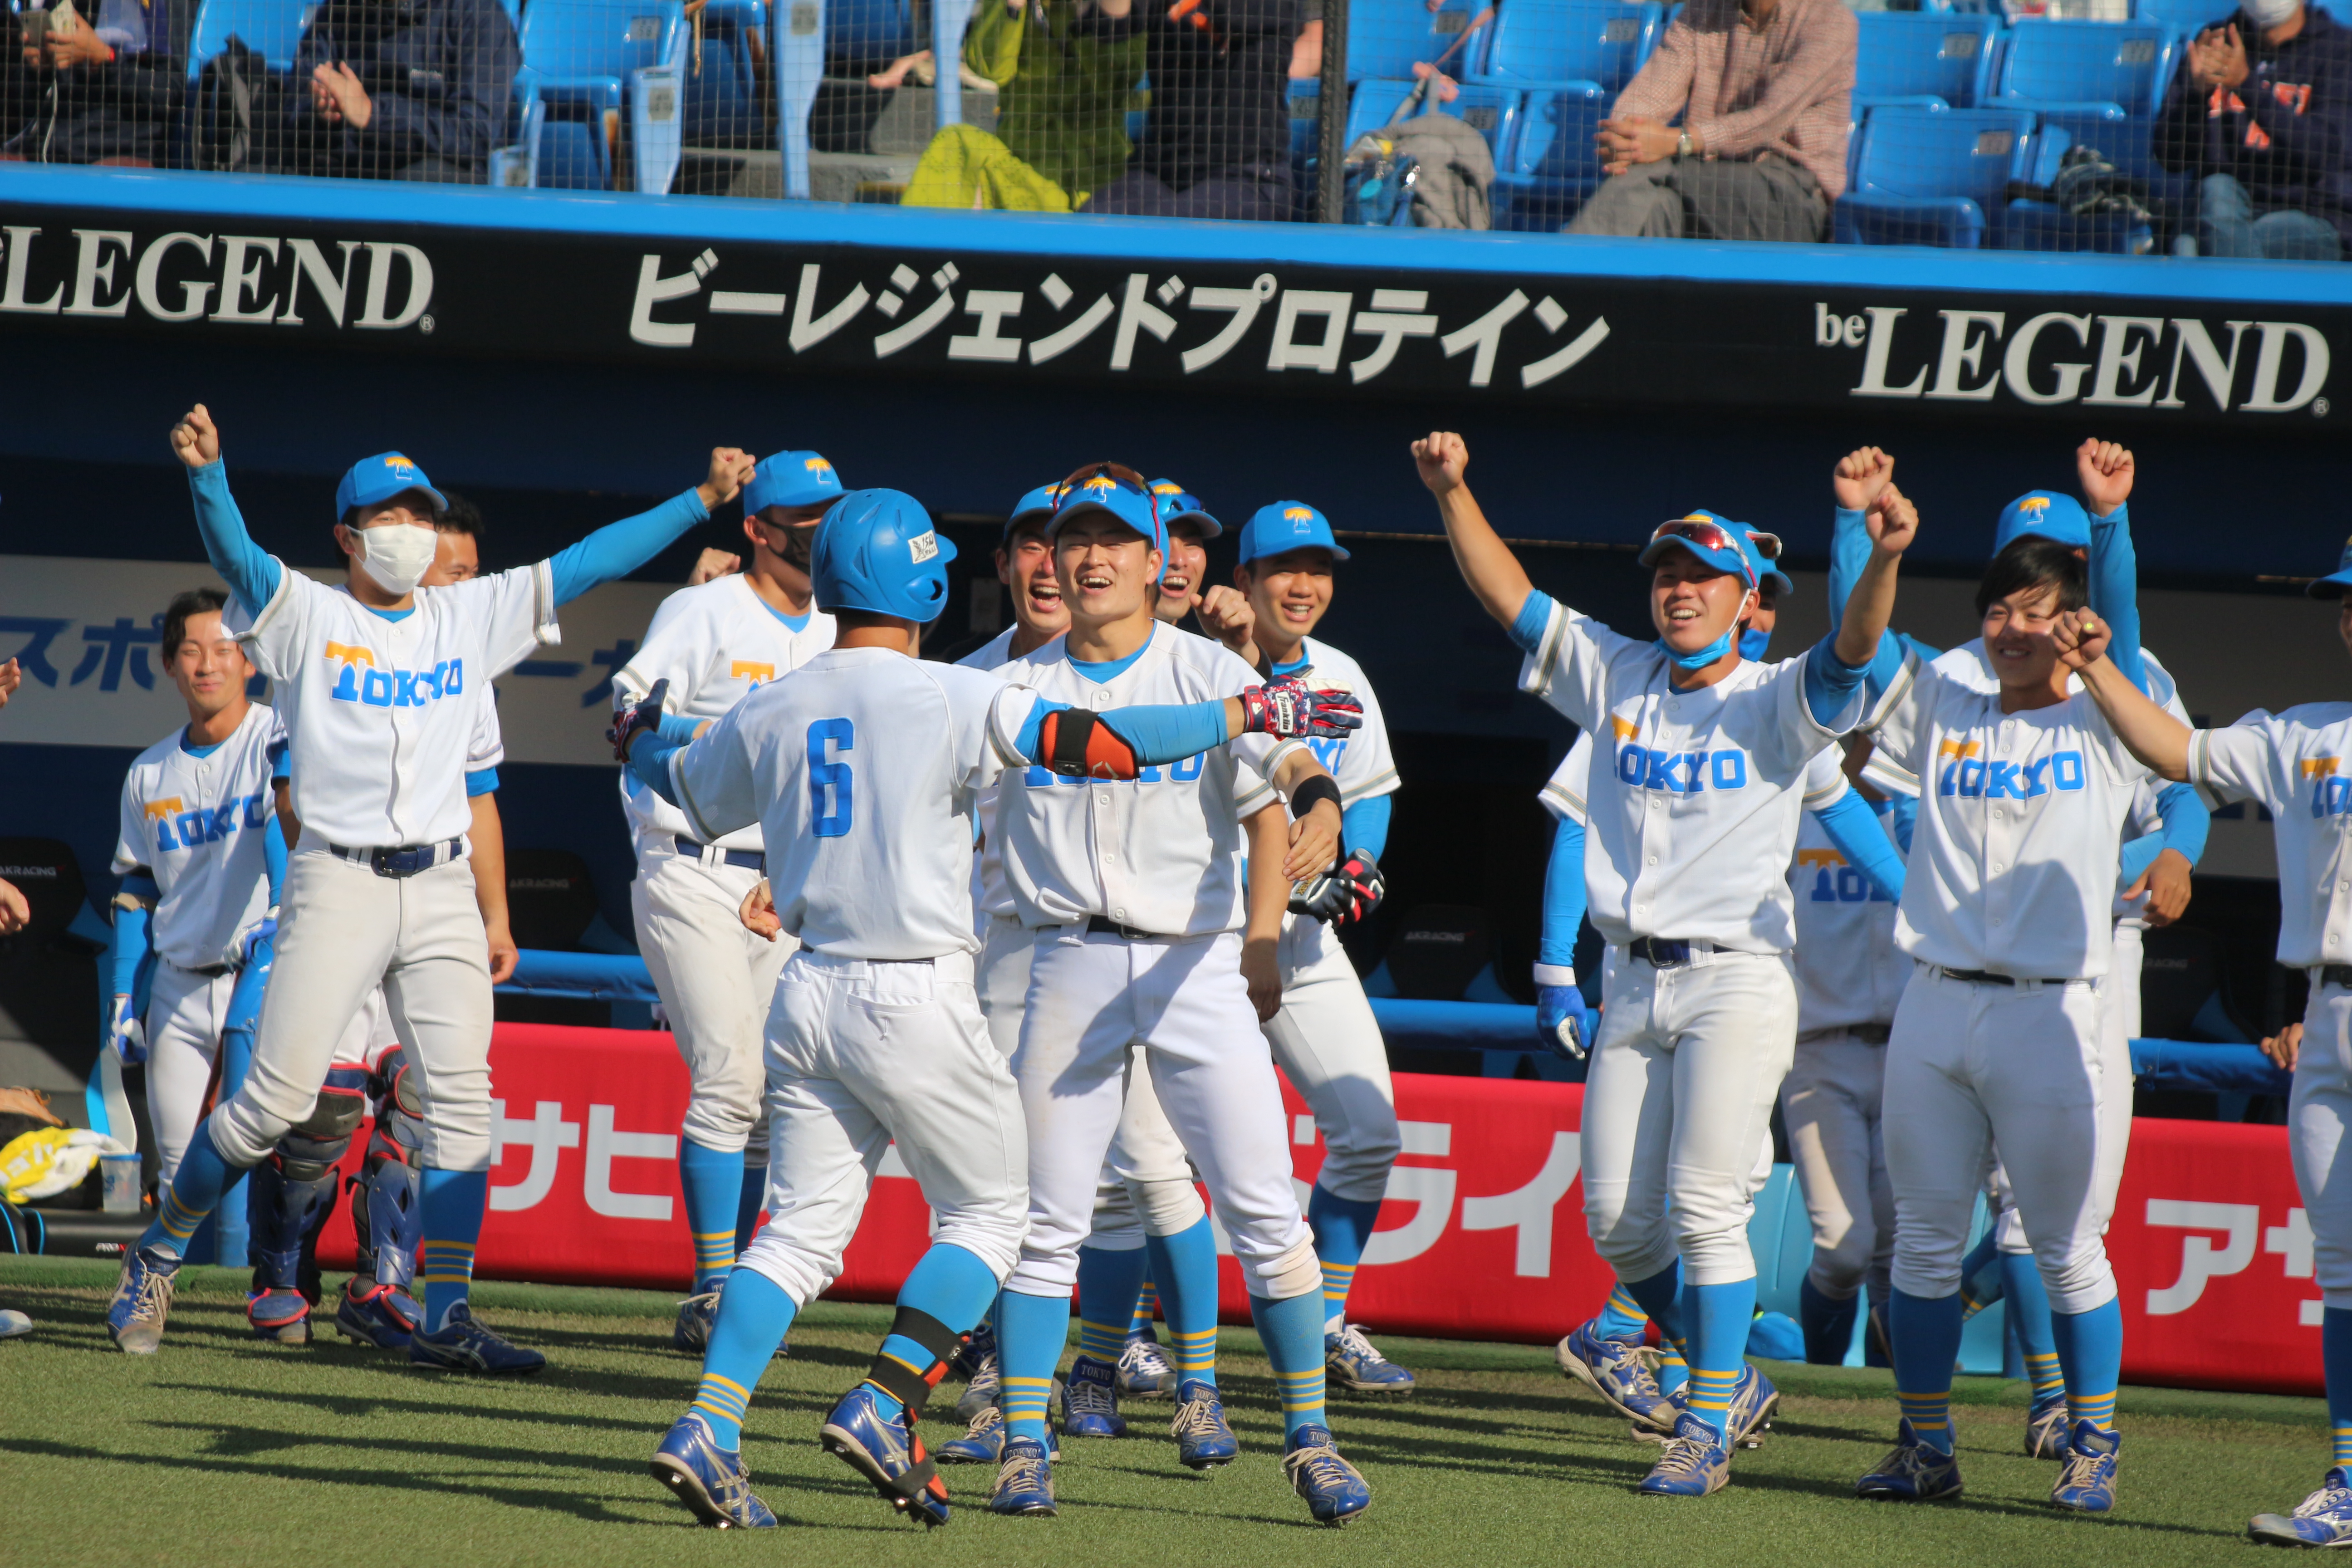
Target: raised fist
1441, 456
194, 439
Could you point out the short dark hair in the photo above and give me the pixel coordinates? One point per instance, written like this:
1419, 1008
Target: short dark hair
2031, 561
194, 602
351, 515
462, 516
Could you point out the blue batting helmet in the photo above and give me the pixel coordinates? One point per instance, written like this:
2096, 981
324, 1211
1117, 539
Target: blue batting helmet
877, 550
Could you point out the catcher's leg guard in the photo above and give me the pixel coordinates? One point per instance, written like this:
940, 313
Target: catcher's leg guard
388, 1218
288, 1199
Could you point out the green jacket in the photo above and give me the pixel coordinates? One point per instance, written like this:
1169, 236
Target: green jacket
1064, 100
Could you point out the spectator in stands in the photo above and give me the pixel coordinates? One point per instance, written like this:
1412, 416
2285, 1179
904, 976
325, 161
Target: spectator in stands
2261, 108
403, 89
84, 94
1762, 90
1217, 144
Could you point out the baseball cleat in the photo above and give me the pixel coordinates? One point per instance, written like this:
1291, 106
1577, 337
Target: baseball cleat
1351, 1361
982, 1444
1334, 1491
1090, 1400
142, 1301
280, 1315
1203, 1441
1619, 1374
885, 1449
2045, 1431
2322, 1519
377, 1314
2087, 1484
696, 1314
1913, 1472
707, 1479
1024, 1480
1750, 1415
1694, 1464
986, 1379
461, 1344
1145, 1371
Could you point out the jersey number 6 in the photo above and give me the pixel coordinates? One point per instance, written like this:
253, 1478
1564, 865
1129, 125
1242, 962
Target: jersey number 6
825, 772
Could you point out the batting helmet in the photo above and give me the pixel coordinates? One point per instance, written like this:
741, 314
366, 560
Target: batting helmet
877, 550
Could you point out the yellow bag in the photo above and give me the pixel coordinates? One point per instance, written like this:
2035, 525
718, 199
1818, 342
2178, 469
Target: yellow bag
53, 1160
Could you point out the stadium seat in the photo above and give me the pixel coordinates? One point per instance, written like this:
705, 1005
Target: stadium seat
865, 35
2075, 67
271, 28
2186, 17
1492, 112
1563, 45
2041, 226
723, 97
1923, 59
1934, 177
1550, 165
583, 63
1387, 38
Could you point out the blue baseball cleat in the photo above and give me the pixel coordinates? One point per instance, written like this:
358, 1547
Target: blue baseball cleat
2045, 1430
978, 1361
1203, 1441
1913, 1472
1024, 1480
1619, 1373
886, 1451
461, 1344
1694, 1464
280, 1315
378, 1314
982, 1444
1334, 1491
1351, 1361
696, 1314
707, 1479
1145, 1371
1750, 1415
2087, 1484
1090, 1400
2322, 1519
143, 1300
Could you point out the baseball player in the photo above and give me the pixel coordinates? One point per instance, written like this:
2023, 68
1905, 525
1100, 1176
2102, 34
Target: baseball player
715, 645
1185, 584
869, 765
378, 682
1144, 935
1692, 823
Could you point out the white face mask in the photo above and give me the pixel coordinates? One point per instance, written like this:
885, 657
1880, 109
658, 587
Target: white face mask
2269, 13
397, 554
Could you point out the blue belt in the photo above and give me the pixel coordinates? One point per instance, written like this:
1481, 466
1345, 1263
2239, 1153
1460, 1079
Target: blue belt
1659, 954
404, 859
747, 859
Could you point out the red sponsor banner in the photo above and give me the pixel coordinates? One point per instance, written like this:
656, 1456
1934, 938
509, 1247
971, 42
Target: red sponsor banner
1481, 1237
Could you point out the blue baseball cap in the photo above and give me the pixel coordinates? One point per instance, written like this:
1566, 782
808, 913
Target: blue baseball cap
2044, 514
2334, 584
1763, 549
1178, 504
381, 478
1713, 538
1285, 526
1102, 492
1038, 504
790, 479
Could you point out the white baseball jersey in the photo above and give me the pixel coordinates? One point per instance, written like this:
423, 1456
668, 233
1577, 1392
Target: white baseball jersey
991, 895
381, 713
1160, 852
1563, 793
1360, 761
1970, 666
1692, 823
196, 825
1849, 970
2293, 764
715, 642
845, 767
2012, 866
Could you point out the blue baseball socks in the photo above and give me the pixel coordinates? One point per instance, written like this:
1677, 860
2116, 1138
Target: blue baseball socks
755, 1314
1927, 1334
716, 1184
195, 1192
1184, 1268
1342, 1228
453, 1203
1109, 1282
1718, 1317
1292, 1332
2091, 1352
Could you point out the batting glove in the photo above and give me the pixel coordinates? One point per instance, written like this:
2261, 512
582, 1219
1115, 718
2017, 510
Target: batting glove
1287, 709
1563, 1023
1345, 894
628, 724
126, 1034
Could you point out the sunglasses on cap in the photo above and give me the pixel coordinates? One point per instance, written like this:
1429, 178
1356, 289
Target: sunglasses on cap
1070, 489
1767, 545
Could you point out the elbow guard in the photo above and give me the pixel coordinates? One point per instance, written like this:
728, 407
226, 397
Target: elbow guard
1076, 744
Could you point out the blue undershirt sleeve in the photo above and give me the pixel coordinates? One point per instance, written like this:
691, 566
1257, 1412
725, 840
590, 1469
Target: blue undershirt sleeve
649, 761
619, 548
1526, 631
1830, 682
1849, 553
1365, 826
2137, 856
1563, 898
1166, 732
679, 730
1854, 827
2114, 590
252, 573
132, 939
1905, 814
481, 781
273, 862
2187, 820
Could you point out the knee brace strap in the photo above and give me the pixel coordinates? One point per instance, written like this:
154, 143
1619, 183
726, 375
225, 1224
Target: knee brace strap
911, 1386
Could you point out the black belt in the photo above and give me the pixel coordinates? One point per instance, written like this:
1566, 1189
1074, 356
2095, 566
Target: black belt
1103, 925
749, 859
1871, 1034
401, 860
209, 970
2336, 975
1659, 954
1986, 977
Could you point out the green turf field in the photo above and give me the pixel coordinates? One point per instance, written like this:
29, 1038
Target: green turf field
223, 1450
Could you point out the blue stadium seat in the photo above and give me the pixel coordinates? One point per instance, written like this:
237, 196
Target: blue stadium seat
579, 61
2041, 225
1924, 60
2186, 17
271, 28
1557, 43
865, 34
1492, 112
1387, 38
1551, 164
1934, 177
2075, 67
723, 98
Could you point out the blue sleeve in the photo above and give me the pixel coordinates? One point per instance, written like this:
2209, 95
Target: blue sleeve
649, 761
1905, 810
1849, 553
2186, 820
273, 860
679, 730
1163, 732
131, 936
1365, 826
619, 548
1854, 827
1563, 898
1526, 631
2137, 858
481, 781
2114, 590
252, 573
1830, 682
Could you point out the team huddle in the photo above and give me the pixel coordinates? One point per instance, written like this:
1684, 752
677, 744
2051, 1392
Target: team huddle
1047, 919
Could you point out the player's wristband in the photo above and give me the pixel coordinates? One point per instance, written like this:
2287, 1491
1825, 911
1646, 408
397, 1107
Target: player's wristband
1319, 787
1555, 975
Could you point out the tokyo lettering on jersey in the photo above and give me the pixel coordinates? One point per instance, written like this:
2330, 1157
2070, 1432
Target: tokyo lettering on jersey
196, 825
862, 770
1694, 796
1359, 763
715, 642
1849, 970
2297, 766
1160, 852
991, 895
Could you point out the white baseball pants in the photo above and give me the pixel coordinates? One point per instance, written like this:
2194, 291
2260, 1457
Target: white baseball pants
1830, 1107
1146, 1186
861, 1053
1973, 1067
2319, 1109
1182, 998
716, 980
2119, 1017
342, 931
1003, 978
185, 1015
1327, 1042
1686, 1066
